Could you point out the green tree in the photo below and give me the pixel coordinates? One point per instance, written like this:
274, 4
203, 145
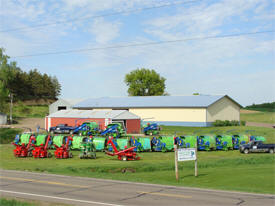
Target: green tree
3, 75
145, 82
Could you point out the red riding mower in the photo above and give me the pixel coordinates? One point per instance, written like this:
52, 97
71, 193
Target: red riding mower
42, 151
63, 152
23, 150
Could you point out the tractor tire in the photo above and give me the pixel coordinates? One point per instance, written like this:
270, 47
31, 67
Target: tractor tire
124, 158
271, 151
246, 151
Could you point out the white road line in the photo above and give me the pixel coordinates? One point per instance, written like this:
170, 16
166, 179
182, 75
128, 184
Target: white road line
60, 198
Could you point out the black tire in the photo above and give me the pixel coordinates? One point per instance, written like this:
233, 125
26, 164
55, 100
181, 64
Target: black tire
271, 151
246, 151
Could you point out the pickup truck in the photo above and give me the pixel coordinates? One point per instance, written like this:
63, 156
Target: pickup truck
62, 129
257, 146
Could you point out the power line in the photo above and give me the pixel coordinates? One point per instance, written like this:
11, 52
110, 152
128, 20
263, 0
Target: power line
98, 16
146, 44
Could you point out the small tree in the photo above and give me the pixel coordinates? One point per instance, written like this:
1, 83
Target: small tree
145, 82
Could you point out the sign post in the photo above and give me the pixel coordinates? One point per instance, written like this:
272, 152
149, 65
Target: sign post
185, 154
176, 162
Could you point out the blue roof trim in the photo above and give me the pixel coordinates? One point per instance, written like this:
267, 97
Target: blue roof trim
150, 102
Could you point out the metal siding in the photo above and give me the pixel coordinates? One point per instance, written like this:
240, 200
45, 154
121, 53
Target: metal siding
113, 114
152, 101
172, 114
133, 126
184, 124
224, 109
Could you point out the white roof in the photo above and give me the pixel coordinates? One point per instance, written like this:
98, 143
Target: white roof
112, 114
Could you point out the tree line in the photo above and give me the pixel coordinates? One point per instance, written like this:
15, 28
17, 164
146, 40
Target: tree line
268, 107
23, 85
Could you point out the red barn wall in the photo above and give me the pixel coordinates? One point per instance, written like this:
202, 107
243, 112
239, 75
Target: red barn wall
72, 121
133, 126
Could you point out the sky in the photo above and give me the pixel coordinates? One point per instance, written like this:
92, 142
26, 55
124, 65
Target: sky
239, 66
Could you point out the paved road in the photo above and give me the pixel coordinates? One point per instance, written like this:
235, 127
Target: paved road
89, 191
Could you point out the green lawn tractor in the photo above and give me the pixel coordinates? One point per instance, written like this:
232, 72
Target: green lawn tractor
87, 150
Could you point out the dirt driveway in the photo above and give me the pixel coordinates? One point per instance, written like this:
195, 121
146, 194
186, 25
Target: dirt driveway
31, 123
259, 124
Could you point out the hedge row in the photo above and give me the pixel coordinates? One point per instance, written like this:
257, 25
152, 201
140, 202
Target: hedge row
221, 123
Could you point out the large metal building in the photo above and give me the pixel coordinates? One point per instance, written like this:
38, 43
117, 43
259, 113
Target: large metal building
74, 117
195, 110
63, 104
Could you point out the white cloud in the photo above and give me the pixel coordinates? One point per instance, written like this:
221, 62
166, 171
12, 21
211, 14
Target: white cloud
105, 31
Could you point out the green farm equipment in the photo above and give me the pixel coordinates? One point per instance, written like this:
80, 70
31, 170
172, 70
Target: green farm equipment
187, 141
257, 138
142, 144
88, 150
99, 143
163, 143
122, 144
206, 142
151, 129
239, 139
59, 140
87, 128
224, 142
115, 130
41, 139
77, 141
24, 138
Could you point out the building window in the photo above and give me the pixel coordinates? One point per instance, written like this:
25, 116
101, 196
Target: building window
61, 108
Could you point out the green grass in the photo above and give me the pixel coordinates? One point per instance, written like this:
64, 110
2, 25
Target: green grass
264, 117
23, 111
13, 202
7, 135
225, 170
261, 131
217, 170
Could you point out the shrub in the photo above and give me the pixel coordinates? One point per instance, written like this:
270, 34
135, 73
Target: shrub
225, 123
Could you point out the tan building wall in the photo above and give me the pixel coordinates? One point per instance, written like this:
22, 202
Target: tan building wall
171, 114
224, 109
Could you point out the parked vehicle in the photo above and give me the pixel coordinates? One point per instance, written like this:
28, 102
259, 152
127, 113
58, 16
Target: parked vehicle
62, 129
257, 146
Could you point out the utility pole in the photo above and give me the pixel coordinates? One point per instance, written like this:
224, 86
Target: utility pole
11, 98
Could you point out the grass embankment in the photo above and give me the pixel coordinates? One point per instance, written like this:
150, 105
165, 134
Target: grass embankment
264, 117
7, 201
13, 202
7, 135
24, 111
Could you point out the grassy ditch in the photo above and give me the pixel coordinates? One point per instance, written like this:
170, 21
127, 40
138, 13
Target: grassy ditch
217, 170
7, 135
13, 202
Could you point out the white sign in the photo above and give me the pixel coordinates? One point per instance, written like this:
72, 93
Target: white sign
186, 154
